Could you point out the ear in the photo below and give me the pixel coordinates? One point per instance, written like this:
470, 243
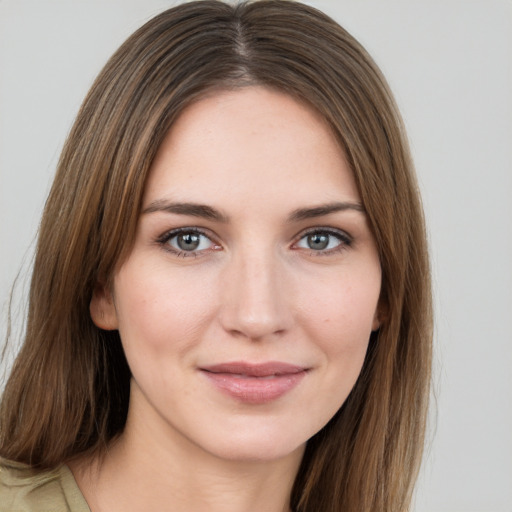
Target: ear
381, 313
102, 309
376, 321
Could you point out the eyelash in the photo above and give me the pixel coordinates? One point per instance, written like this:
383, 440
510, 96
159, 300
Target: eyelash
164, 240
344, 239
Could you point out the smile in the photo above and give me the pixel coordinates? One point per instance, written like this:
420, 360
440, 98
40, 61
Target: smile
255, 383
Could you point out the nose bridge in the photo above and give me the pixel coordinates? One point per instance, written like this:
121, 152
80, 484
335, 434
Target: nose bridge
254, 300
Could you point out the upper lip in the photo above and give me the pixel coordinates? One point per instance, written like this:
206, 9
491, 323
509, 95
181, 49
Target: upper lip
255, 369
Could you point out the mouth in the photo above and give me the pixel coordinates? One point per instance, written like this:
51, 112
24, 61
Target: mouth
254, 383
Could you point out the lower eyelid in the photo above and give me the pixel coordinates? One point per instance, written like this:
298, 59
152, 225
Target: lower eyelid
165, 238
343, 238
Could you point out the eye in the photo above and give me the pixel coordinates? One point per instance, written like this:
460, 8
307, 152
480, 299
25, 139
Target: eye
189, 241
324, 241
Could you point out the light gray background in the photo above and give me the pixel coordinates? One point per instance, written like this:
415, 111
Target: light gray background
449, 64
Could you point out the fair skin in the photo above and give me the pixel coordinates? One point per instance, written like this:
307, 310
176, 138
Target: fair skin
244, 309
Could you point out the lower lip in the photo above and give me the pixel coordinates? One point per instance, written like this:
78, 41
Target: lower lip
255, 390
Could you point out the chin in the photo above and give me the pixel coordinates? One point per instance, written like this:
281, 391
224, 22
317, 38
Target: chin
259, 451
261, 441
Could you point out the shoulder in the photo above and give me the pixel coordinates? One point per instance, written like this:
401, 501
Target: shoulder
24, 489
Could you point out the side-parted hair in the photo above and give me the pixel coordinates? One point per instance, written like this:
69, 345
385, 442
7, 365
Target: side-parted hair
69, 387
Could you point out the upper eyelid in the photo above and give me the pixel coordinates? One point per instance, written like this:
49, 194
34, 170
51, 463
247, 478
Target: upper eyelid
323, 229
342, 234
167, 235
164, 241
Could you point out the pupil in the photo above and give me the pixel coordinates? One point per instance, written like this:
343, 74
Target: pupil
318, 241
188, 241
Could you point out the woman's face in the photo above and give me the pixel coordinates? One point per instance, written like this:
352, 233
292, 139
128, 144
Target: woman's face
247, 301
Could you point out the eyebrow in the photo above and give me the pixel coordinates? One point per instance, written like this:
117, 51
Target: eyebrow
193, 209
207, 212
326, 209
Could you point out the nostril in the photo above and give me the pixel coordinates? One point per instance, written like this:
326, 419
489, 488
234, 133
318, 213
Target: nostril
254, 304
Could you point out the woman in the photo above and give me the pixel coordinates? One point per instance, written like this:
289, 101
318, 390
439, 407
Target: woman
230, 304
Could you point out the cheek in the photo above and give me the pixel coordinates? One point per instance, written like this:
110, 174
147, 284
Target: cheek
347, 303
340, 318
158, 309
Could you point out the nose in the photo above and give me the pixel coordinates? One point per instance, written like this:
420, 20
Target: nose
255, 302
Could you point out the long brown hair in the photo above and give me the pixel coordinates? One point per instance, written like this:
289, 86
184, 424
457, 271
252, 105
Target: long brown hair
68, 390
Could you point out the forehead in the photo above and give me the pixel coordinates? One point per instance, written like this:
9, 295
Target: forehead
250, 145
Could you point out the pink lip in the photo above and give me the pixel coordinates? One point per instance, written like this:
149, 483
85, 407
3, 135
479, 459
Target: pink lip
255, 383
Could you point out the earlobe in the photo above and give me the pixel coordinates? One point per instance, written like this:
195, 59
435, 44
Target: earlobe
102, 309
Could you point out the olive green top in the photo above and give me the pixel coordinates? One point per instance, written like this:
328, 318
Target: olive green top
23, 489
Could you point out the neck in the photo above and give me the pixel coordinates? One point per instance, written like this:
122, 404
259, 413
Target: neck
147, 469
